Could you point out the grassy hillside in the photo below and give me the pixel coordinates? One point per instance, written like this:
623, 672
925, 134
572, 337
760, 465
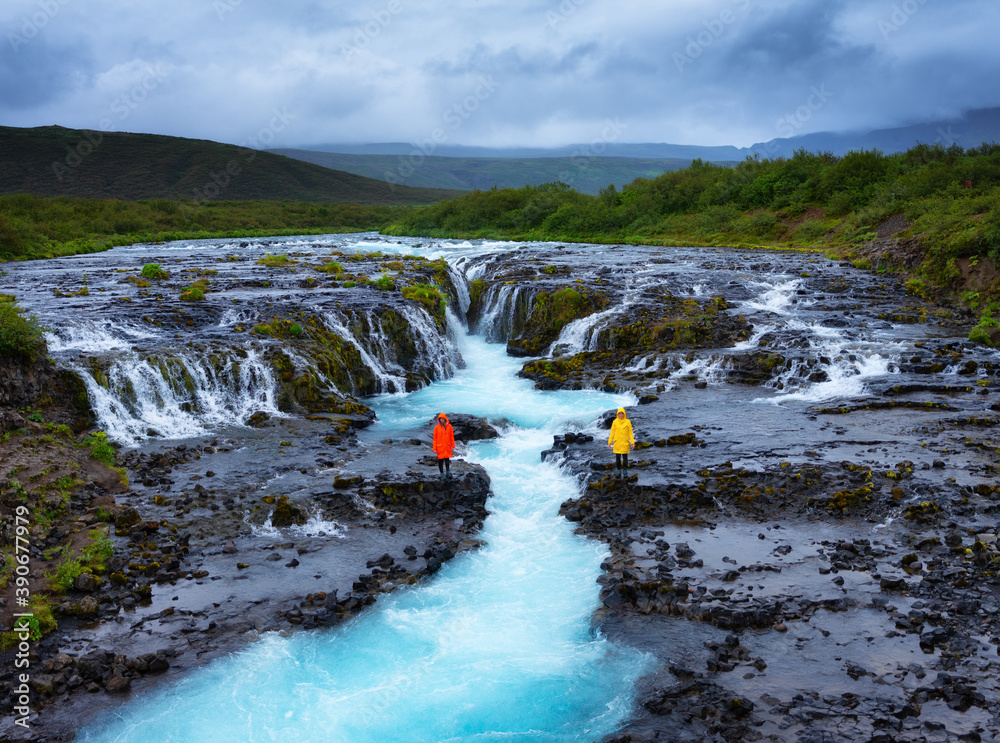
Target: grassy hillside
584, 174
54, 161
935, 210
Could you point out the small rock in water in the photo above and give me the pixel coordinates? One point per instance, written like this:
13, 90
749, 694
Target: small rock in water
230, 549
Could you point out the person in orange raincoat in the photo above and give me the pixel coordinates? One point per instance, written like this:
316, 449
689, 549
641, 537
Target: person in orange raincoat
621, 442
444, 443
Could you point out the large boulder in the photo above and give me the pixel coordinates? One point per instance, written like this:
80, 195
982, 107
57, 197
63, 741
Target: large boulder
469, 427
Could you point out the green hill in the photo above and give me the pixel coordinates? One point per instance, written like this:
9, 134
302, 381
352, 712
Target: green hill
585, 174
55, 161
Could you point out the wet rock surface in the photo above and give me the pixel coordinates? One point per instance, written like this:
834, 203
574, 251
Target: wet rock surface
805, 544
204, 564
263, 512
806, 539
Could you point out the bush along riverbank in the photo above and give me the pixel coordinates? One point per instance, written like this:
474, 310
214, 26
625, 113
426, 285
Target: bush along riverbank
38, 227
932, 213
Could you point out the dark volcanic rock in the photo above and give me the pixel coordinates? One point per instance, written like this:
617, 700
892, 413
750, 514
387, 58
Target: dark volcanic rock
469, 427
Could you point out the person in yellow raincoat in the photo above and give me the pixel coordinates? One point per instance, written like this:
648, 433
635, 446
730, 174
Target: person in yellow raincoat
444, 443
621, 442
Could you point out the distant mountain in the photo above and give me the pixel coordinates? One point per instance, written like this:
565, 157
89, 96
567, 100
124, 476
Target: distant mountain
969, 130
54, 161
467, 173
605, 149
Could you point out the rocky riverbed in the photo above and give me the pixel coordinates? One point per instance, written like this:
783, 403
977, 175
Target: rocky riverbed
807, 537
806, 543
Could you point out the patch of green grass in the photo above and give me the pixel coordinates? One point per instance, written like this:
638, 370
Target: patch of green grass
153, 272
192, 294
275, 261
331, 267
195, 292
429, 297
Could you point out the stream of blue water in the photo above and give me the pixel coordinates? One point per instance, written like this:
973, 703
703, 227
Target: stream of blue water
497, 647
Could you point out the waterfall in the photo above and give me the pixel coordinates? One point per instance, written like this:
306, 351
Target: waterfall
139, 397
389, 375
436, 356
96, 336
500, 317
845, 365
581, 335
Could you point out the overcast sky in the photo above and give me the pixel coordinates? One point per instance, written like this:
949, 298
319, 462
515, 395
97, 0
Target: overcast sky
494, 72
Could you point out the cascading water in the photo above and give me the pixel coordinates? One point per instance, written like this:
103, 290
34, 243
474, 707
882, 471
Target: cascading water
838, 367
499, 646
584, 334
390, 376
180, 396
499, 315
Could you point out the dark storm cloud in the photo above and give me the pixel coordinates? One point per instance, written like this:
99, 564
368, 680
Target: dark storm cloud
34, 74
531, 72
800, 37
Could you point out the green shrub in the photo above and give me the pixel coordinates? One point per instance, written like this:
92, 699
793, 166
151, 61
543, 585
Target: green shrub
764, 224
99, 551
66, 571
349, 284
384, 283
20, 335
917, 288
153, 271
980, 333
100, 447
